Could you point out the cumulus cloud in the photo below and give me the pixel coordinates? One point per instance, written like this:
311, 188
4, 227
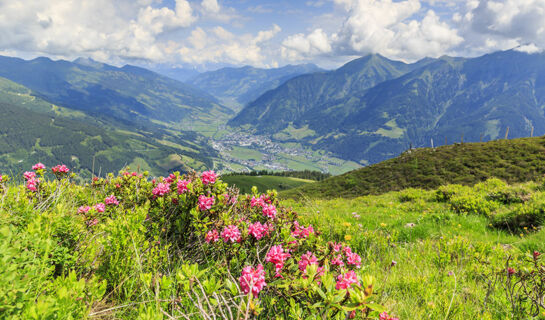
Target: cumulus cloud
502, 24
299, 46
378, 26
218, 45
99, 28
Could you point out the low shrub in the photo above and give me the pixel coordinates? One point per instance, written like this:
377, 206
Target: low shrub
410, 194
181, 246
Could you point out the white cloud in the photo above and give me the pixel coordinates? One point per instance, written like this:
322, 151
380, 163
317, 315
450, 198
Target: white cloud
221, 46
99, 28
378, 26
299, 46
502, 24
211, 6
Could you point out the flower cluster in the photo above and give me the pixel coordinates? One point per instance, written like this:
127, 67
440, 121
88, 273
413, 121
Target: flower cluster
385, 316
38, 166
60, 169
231, 233
31, 181
300, 231
307, 259
111, 200
344, 254
208, 177
212, 236
269, 211
205, 203
182, 186
161, 190
277, 256
258, 230
346, 280
252, 280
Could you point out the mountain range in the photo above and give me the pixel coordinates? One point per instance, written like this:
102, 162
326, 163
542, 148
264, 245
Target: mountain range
368, 110
91, 115
373, 108
235, 87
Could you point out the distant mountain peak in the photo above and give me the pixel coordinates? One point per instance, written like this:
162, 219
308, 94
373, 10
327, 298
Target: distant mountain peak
89, 62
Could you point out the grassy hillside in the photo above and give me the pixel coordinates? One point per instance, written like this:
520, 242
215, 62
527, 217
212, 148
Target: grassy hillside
513, 160
444, 254
27, 137
264, 183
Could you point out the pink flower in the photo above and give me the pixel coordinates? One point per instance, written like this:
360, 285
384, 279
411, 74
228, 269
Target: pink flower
212, 236
1, 178
385, 316
100, 207
84, 209
31, 186
208, 177
29, 175
93, 222
38, 166
205, 203
231, 233
337, 247
301, 232
170, 179
257, 202
307, 259
353, 259
182, 186
60, 168
269, 211
344, 281
161, 189
347, 250
258, 230
252, 280
111, 200
337, 261
277, 256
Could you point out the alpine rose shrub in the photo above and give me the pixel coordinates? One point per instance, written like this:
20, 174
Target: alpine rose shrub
231, 233
252, 280
161, 189
212, 236
182, 186
344, 281
269, 211
205, 203
256, 245
38, 166
208, 177
111, 200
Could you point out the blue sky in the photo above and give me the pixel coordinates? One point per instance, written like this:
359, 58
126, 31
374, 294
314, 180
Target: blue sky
207, 34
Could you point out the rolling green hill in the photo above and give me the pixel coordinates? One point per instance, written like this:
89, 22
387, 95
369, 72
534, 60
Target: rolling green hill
373, 108
33, 130
514, 160
264, 183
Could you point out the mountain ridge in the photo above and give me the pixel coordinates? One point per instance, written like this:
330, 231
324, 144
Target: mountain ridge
373, 108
